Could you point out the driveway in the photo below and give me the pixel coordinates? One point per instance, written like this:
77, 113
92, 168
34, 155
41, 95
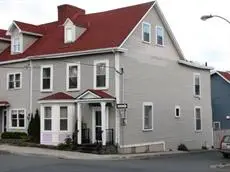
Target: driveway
196, 162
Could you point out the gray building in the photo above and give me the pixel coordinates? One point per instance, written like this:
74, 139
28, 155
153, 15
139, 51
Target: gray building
82, 68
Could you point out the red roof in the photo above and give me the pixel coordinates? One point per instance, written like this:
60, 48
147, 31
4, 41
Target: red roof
104, 30
29, 27
100, 93
226, 75
4, 103
58, 96
3, 34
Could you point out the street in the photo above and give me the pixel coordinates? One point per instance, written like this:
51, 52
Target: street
199, 162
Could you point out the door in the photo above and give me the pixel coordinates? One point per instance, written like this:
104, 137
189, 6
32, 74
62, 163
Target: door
4, 120
98, 127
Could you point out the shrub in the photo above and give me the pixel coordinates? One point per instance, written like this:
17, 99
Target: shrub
68, 145
34, 128
182, 147
14, 135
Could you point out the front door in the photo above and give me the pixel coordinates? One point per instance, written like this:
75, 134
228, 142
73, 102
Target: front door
98, 127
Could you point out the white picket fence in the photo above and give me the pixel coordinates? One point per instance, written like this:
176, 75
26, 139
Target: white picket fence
218, 135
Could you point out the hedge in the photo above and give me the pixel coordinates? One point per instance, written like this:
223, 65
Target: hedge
14, 135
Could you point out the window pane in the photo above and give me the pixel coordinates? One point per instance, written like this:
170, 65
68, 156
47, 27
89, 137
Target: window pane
148, 117
63, 124
177, 112
21, 122
63, 112
46, 72
101, 81
47, 124
17, 84
160, 34
146, 37
14, 122
198, 124
101, 68
146, 32
47, 112
73, 82
11, 85
11, 77
69, 34
17, 77
73, 71
46, 83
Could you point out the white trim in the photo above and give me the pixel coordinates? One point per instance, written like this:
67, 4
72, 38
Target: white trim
14, 61
68, 65
55, 101
68, 20
216, 72
144, 144
94, 100
106, 61
143, 116
31, 87
88, 92
137, 25
194, 65
5, 39
177, 107
198, 107
10, 120
32, 33
150, 30
194, 88
7, 84
118, 99
51, 78
93, 125
156, 28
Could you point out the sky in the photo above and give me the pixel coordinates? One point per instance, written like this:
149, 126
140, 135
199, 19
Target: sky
201, 41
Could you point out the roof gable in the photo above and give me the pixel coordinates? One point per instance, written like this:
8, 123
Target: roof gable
223, 75
58, 96
94, 94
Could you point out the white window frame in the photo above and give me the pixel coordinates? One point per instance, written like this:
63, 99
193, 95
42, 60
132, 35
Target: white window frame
177, 107
198, 107
106, 74
156, 28
194, 86
66, 34
44, 118
216, 122
51, 78
146, 23
7, 84
68, 65
67, 118
25, 117
143, 116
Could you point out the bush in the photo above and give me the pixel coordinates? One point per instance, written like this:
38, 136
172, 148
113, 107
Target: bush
182, 147
34, 128
68, 145
14, 135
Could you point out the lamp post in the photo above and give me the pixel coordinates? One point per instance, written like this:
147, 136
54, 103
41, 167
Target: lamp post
206, 17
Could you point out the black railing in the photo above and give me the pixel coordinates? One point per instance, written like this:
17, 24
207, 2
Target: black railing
98, 135
110, 135
85, 135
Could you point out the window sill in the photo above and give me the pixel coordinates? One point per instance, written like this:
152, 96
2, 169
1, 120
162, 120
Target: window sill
158, 45
145, 42
17, 128
147, 130
46, 91
101, 88
12, 89
177, 117
196, 96
71, 90
198, 131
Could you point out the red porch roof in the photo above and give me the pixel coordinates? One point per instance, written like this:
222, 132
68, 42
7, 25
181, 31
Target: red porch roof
58, 96
4, 103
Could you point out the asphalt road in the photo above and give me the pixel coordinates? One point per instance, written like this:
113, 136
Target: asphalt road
199, 162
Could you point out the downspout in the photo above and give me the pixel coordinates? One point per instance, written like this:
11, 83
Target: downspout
31, 88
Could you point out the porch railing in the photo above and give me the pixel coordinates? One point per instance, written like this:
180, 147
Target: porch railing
85, 135
110, 136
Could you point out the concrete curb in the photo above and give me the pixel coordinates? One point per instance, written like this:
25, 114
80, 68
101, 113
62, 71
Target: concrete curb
41, 152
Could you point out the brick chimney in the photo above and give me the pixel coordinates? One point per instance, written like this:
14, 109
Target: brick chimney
67, 11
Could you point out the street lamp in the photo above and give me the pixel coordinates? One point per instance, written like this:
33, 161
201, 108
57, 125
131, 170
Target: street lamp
206, 17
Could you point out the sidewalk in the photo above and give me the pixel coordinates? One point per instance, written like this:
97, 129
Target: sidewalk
77, 155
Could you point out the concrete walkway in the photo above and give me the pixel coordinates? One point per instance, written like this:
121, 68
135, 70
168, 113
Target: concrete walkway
77, 155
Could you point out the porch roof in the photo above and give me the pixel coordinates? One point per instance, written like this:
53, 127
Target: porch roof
94, 94
4, 103
57, 96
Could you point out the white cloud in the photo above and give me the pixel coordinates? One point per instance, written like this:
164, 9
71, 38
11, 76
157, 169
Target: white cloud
200, 41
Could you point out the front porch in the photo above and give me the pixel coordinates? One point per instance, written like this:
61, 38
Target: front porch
88, 119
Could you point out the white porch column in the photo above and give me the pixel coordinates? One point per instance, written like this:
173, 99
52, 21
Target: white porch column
79, 120
103, 121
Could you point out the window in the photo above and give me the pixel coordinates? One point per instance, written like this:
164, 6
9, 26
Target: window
198, 120
46, 78
14, 81
16, 45
18, 118
147, 116
177, 111
73, 77
47, 118
101, 74
68, 34
159, 35
216, 125
146, 32
63, 118
197, 85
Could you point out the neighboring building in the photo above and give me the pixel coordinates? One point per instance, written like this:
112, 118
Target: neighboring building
220, 86
82, 66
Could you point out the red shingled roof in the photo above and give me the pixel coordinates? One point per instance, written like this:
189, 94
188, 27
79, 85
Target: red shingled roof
104, 30
101, 94
226, 75
3, 34
58, 96
29, 27
4, 103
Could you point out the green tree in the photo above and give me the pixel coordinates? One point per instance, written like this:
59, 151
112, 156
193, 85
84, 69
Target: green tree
34, 127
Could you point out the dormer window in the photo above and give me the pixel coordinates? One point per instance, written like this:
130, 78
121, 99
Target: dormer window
69, 35
16, 45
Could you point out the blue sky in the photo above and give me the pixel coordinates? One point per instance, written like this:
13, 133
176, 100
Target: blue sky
200, 41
